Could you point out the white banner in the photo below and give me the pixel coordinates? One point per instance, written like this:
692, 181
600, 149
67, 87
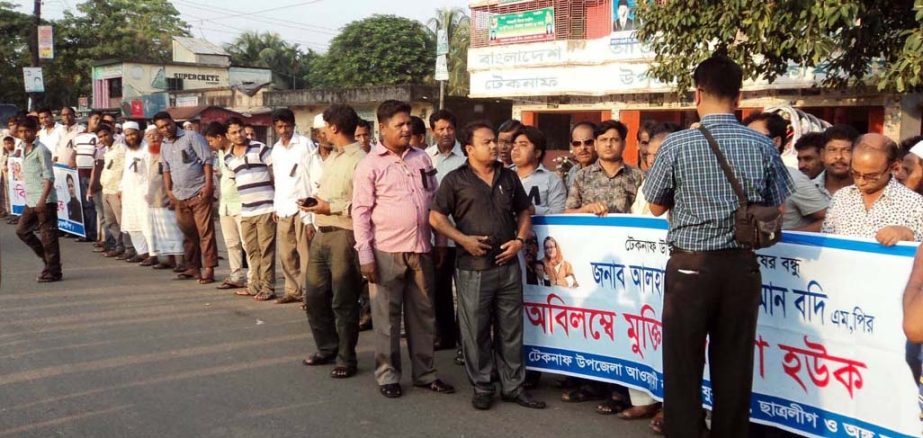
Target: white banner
829, 352
67, 188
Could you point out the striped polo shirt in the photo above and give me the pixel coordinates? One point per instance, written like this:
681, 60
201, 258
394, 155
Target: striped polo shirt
253, 178
85, 148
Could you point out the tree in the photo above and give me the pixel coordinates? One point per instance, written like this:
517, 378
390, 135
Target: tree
288, 63
851, 40
110, 29
457, 25
379, 50
14, 53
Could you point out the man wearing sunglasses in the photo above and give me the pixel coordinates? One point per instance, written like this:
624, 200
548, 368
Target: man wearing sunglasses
876, 205
582, 147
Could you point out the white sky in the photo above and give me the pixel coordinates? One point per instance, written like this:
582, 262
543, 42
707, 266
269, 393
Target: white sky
308, 23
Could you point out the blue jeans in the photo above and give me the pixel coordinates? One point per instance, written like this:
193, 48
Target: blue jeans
89, 210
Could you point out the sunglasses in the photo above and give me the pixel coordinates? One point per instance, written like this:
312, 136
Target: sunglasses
578, 143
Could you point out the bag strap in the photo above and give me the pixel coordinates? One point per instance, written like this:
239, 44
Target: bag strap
741, 197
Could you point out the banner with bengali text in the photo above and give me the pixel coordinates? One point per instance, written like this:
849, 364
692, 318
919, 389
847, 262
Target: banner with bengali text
829, 356
67, 188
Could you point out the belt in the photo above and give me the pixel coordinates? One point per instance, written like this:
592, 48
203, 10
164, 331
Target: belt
330, 229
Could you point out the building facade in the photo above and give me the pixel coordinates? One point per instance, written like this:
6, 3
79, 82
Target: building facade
566, 61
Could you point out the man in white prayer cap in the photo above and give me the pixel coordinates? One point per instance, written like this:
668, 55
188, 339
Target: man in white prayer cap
134, 187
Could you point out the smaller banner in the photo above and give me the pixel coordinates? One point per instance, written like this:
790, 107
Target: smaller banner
522, 27
66, 186
442, 68
45, 42
32, 79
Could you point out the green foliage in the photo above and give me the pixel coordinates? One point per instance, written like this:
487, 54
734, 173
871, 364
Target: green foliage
111, 29
854, 41
379, 50
289, 64
458, 27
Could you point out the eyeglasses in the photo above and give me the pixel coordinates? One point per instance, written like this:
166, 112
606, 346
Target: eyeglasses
578, 143
869, 177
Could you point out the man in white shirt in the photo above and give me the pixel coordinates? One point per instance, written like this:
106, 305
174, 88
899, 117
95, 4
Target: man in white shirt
446, 156
85, 160
50, 132
289, 155
64, 152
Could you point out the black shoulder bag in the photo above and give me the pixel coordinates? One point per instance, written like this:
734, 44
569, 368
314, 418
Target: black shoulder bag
755, 226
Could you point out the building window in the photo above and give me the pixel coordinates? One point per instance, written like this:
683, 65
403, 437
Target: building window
115, 87
174, 84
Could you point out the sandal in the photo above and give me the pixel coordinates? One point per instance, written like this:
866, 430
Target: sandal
243, 293
206, 280
582, 394
227, 284
163, 266
317, 359
656, 424
187, 275
639, 412
613, 405
343, 372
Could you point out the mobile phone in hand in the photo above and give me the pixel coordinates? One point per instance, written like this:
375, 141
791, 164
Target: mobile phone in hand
307, 202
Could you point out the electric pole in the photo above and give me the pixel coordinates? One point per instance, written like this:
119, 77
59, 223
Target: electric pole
33, 46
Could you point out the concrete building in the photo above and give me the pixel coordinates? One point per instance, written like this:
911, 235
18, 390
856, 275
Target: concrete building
140, 89
562, 62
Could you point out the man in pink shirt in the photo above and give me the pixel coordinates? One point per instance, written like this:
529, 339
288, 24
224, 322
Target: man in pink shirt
393, 189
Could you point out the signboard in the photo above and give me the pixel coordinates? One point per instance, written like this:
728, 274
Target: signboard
144, 107
829, 350
442, 42
45, 42
182, 101
32, 79
83, 102
67, 188
442, 68
522, 27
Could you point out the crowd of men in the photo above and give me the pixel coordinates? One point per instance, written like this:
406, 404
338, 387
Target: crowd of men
400, 229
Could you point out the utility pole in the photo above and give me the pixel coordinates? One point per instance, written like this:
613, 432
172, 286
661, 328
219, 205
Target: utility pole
33, 45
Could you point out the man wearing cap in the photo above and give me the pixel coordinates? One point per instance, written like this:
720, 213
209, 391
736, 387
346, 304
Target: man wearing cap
133, 185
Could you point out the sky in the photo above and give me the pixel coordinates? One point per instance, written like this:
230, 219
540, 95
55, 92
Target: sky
308, 23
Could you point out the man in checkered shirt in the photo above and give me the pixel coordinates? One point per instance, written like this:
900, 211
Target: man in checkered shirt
712, 284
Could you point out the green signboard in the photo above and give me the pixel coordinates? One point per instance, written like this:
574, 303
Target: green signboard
522, 27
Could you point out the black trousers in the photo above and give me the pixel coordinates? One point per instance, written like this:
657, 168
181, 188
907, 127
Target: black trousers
443, 304
45, 245
714, 294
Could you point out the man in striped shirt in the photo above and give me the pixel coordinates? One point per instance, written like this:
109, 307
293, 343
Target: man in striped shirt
85, 151
249, 165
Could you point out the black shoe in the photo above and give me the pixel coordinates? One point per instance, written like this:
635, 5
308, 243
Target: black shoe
482, 401
125, 255
532, 379
525, 400
459, 358
390, 390
438, 386
49, 278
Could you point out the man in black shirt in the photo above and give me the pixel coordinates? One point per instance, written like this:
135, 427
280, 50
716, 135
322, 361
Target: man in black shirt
491, 213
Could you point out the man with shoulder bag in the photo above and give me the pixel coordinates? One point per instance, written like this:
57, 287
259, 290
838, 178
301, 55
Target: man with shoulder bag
724, 185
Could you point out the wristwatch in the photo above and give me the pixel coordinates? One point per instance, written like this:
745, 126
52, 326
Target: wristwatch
520, 239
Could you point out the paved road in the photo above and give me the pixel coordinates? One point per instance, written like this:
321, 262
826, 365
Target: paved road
120, 350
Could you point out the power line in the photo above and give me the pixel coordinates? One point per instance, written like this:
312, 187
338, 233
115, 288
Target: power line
268, 20
253, 13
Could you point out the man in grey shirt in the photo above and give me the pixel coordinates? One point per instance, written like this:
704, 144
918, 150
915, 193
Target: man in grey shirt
806, 208
187, 175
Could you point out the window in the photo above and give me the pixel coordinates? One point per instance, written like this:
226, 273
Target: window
174, 84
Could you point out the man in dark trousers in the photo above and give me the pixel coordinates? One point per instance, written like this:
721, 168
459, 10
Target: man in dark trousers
712, 282
491, 212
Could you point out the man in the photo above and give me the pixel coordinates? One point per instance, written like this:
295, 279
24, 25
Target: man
876, 206
110, 179
333, 280
228, 208
64, 152
910, 173
712, 283
608, 185
447, 155
187, 176
166, 238
544, 188
9, 147
248, 163
805, 209
133, 186
289, 156
109, 119
250, 132
106, 241
489, 279
583, 148
41, 210
50, 132
644, 139
85, 145
395, 250
417, 133
364, 135
505, 140
837, 155
809, 148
